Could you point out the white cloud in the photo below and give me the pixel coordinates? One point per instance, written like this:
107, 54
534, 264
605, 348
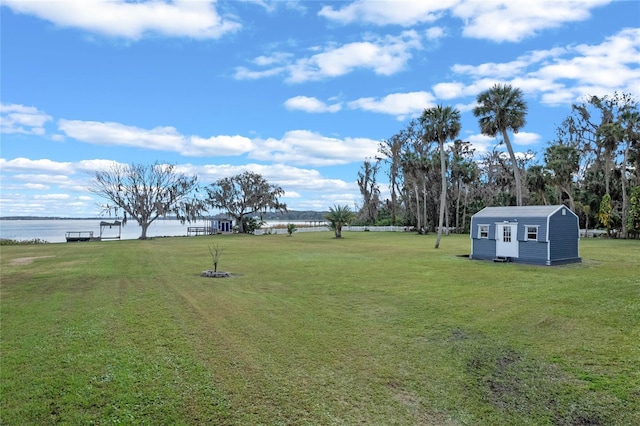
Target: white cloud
462, 107
25, 164
110, 133
383, 55
132, 20
558, 75
604, 68
310, 104
405, 13
399, 104
294, 180
526, 138
497, 20
307, 188
492, 69
275, 59
49, 179
243, 73
299, 179
310, 148
449, 90
454, 90
296, 147
435, 33
92, 166
36, 186
163, 138
482, 143
217, 146
292, 194
272, 5
22, 119
507, 20
54, 197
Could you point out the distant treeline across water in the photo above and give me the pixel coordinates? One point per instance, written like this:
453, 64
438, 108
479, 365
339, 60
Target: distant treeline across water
293, 215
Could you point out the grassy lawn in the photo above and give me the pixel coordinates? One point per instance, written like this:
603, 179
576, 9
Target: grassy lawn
376, 328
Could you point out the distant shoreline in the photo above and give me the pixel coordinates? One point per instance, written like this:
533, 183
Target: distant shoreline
48, 218
306, 215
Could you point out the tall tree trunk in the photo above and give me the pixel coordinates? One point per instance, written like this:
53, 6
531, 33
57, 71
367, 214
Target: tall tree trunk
443, 192
458, 207
415, 187
516, 169
587, 211
424, 205
464, 207
607, 168
572, 204
393, 204
447, 221
625, 196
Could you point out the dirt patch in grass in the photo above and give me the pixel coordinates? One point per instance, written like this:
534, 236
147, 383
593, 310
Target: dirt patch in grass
19, 261
516, 384
412, 402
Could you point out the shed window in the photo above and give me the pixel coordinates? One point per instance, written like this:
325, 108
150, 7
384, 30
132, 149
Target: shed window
532, 233
483, 231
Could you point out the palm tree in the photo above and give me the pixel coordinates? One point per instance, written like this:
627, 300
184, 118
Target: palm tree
441, 124
339, 216
499, 109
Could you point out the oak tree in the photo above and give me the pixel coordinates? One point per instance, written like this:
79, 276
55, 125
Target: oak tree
145, 192
243, 195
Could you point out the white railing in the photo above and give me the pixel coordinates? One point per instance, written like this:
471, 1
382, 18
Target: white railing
279, 231
267, 231
375, 228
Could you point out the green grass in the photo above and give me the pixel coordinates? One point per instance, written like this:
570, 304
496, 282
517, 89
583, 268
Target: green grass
376, 328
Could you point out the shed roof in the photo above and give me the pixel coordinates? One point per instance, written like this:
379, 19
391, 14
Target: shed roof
518, 211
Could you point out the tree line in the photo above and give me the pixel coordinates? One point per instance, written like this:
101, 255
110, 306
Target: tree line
436, 180
144, 193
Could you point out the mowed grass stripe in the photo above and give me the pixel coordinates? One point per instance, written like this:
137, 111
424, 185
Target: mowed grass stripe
100, 343
377, 328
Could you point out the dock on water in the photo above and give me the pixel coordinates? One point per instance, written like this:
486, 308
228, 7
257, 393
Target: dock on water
83, 236
80, 236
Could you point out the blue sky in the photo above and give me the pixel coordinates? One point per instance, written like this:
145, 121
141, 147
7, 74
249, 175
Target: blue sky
301, 92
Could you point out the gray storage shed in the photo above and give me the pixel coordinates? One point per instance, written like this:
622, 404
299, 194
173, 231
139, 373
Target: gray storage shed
540, 235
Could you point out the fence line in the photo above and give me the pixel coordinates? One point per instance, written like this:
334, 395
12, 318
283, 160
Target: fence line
375, 228
267, 231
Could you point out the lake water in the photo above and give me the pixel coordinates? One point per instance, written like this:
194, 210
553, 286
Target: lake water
53, 231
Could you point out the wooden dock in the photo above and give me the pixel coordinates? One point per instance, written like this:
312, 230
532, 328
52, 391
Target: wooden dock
80, 236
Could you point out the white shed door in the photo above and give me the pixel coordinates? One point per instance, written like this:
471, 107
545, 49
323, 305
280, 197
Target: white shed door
507, 240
